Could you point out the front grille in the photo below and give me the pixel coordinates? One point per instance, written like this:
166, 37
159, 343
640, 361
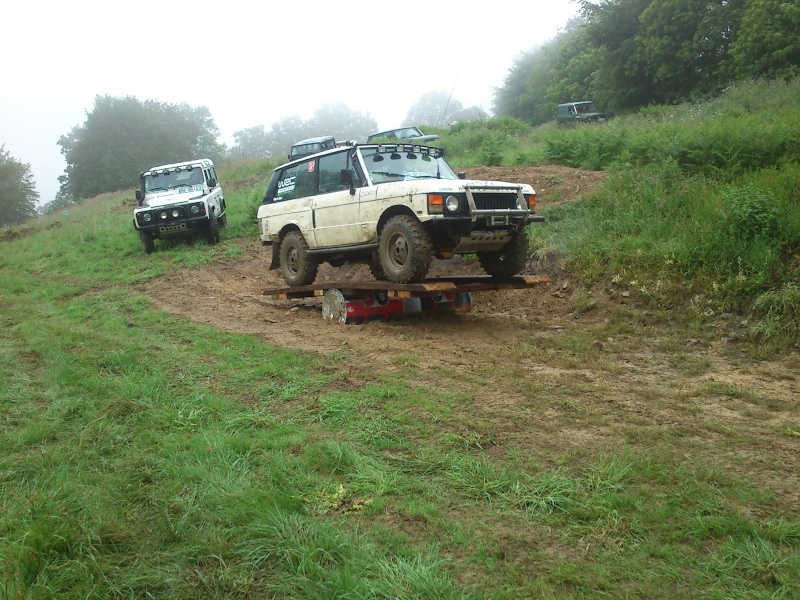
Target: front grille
494, 200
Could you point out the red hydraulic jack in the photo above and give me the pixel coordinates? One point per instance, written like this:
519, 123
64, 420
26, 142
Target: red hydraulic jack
377, 306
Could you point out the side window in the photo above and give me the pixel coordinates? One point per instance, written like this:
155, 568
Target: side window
306, 182
213, 173
330, 167
286, 184
296, 181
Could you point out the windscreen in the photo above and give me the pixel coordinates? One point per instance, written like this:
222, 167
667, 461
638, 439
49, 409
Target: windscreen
386, 166
305, 149
185, 180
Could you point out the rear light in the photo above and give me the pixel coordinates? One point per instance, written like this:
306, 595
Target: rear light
435, 204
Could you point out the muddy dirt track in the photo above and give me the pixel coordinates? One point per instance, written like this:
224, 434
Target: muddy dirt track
552, 370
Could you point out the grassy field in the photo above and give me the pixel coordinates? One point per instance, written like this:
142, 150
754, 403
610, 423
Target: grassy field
145, 455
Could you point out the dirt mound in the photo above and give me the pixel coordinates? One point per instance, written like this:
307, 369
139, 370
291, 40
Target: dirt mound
553, 184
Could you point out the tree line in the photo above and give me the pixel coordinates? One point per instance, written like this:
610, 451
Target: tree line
18, 193
625, 54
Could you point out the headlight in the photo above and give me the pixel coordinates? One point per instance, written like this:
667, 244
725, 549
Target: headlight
451, 203
163, 216
176, 213
194, 209
147, 217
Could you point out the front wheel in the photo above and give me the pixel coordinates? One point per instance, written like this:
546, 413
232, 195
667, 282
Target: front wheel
148, 241
405, 250
509, 260
213, 228
375, 267
298, 266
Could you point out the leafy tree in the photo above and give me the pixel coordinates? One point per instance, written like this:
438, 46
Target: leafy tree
253, 142
768, 43
285, 132
682, 47
560, 70
612, 25
434, 108
336, 120
18, 193
123, 136
573, 75
341, 122
471, 113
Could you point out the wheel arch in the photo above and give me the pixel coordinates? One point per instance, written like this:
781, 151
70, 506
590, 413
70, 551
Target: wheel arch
394, 211
276, 254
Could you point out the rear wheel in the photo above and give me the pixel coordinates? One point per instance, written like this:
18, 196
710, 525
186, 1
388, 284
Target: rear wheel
148, 242
509, 260
405, 250
298, 266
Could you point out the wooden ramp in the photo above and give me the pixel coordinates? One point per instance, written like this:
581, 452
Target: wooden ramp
429, 287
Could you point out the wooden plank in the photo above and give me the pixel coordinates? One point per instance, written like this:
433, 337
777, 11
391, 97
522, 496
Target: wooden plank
429, 287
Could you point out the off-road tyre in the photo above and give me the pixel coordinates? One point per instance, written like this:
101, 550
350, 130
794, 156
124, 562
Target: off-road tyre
375, 267
213, 228
148, 241
298, 266
503, 264
405, 250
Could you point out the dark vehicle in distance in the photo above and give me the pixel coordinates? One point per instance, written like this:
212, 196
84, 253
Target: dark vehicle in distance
311, 146
406, 134
571, 113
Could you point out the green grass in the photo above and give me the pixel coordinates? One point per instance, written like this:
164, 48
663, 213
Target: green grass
143, 456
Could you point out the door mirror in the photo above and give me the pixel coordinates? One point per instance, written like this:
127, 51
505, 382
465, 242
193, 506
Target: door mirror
462, 175
139, 197
212, 183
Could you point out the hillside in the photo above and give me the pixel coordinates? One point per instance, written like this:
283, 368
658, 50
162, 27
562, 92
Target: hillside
625, 351
169, 431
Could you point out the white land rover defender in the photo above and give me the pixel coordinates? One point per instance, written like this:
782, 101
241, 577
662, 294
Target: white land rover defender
181, 199
395, 207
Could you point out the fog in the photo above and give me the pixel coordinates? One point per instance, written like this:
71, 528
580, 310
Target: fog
251, 63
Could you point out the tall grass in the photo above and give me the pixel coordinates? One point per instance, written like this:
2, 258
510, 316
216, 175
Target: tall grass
701, 210
749, 127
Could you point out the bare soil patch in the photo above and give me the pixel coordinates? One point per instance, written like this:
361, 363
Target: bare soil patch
536, 372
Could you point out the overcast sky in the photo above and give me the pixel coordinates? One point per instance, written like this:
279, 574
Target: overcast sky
251, 63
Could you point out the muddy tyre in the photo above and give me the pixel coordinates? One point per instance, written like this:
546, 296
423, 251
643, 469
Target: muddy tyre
148, 241
510, 260
298, 266
405, 250
375, 267
213, 228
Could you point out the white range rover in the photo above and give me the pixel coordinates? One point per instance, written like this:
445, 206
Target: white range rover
394, 207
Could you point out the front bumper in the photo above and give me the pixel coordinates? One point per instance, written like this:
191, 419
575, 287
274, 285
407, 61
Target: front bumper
175, 219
